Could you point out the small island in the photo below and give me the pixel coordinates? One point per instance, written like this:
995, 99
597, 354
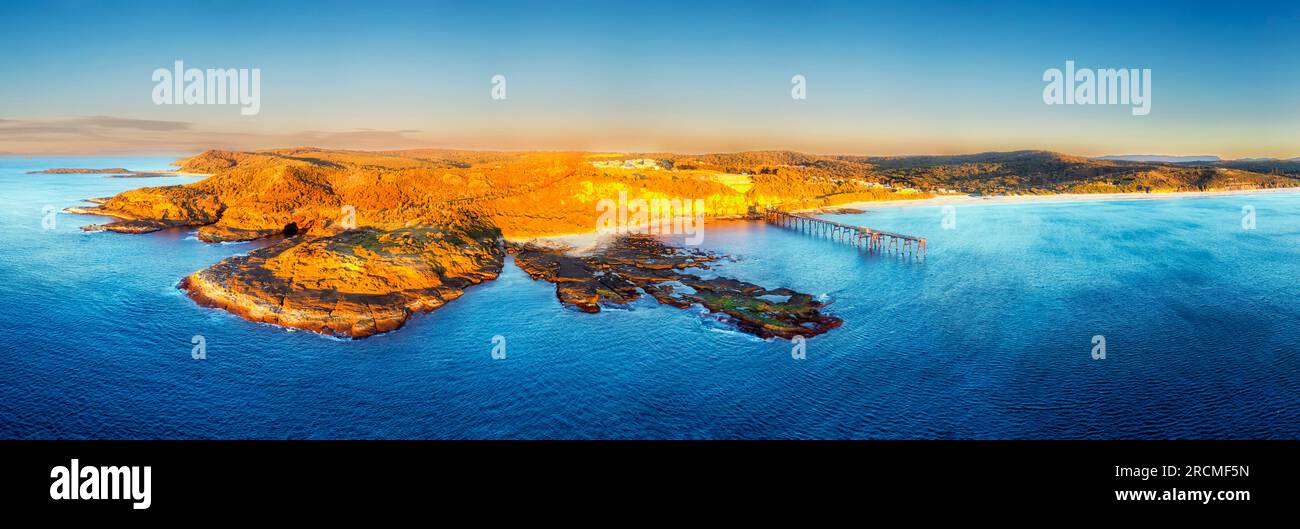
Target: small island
112, 172
66, 170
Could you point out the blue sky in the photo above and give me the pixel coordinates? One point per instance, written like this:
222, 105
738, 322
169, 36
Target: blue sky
883, 77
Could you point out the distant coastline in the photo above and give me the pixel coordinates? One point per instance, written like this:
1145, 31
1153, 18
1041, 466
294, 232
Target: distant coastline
115, 172
956, 200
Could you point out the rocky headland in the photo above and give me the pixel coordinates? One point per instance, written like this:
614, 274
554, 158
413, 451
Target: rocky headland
363, 240
356, 283
366, 240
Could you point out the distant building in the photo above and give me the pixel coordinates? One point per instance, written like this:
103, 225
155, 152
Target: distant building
637, 163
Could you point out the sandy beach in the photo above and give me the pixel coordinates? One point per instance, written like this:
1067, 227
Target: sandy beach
966, 200
582, 242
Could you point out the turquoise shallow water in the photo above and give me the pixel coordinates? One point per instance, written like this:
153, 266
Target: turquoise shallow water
990, 337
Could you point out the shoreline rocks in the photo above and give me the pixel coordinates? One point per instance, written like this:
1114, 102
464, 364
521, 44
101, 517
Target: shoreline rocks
620, 271
152, 209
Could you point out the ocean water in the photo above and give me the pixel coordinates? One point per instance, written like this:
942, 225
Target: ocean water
989, 337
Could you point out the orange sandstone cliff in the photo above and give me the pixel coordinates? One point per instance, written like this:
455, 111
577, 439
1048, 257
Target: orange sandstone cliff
356, 283
370, 238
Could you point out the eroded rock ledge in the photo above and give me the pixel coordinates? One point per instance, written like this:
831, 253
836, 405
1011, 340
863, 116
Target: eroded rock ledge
620, 271
354, 284
154, 208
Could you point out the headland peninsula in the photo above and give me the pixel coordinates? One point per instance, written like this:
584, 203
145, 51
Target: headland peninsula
363, 240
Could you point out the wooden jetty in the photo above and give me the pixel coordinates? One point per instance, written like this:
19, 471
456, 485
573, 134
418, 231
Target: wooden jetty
857, 236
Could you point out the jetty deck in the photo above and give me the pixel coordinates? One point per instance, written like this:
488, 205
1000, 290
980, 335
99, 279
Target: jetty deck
857, 236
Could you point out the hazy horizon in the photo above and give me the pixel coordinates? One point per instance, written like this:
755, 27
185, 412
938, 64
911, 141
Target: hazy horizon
185, 154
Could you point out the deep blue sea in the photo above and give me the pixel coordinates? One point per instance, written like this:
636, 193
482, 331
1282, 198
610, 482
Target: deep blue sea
989, 337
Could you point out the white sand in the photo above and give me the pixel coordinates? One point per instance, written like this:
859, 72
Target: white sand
588, 241
946, 200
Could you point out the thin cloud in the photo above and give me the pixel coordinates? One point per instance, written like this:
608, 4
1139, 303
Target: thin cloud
117, 135
110, 122
85, 126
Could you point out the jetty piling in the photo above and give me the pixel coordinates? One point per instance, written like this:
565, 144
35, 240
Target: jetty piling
859, 237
